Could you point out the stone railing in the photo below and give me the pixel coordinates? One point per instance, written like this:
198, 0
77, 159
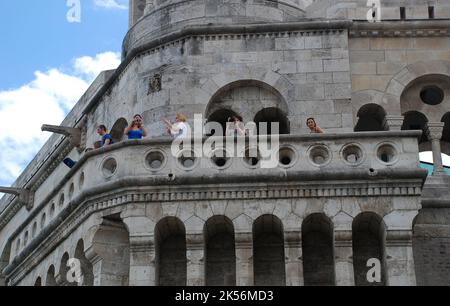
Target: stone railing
326, 165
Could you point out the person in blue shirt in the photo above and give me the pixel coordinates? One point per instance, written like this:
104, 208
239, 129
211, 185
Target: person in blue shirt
136, 130
107, 139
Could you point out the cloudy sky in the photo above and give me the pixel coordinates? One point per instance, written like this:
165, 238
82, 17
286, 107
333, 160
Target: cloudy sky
51, 51
49, 56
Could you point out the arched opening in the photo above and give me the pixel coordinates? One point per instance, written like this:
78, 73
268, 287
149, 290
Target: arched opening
50, 280
414, 120
370, 118
87, 275
38, 282
268, 252
221, 116
65, 278
368, 232
318, 253
117, 131
266, 117
248, 98
171, 267
220, 252
112, 244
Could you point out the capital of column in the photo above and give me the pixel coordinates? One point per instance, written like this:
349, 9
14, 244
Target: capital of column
434, 130
393, 122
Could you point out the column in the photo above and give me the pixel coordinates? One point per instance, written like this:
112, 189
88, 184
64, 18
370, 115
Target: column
293, 258
142, 261
195, 253
399, 259
434, 134
244, 259
393, 122
343, 264
97, 269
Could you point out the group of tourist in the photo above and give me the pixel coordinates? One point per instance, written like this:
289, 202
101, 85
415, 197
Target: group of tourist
178, 130
137, 130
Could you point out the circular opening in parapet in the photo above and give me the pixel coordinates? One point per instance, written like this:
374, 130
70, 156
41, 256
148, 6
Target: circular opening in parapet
387, 153
432, 95
220, 158
352, 154
320, 155
155, 160
287, 157
109, 167
187, 159
81, 182
252, 157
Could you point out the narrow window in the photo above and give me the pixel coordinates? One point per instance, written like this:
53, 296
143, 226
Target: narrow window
431, 12
402, 13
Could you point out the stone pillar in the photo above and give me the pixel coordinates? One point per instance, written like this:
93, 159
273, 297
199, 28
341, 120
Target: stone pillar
244, 259
393, 123
100, 278
343, 264
142, 261
195, 255
434, 134
399, 259
293, 258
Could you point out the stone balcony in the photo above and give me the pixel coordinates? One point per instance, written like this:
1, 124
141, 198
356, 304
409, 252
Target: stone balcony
309, 166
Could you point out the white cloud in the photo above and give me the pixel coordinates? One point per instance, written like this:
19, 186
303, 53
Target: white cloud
110, 4
428, 157
45, 100
91, 67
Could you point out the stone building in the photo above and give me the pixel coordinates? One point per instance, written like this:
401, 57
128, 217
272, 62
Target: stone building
377, 80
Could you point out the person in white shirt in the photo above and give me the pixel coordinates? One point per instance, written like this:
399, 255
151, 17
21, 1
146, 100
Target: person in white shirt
178, 130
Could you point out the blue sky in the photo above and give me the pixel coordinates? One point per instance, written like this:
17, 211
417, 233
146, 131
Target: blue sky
47, 63
37, 36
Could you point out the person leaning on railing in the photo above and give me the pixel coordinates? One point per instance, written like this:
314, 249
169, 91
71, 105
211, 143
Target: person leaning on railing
315, 129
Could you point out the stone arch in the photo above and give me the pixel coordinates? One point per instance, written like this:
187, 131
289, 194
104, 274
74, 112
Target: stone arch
268, 251
318, 252
371, 118
170, 247
272, 115
50, 281
406, 77
248, 96
118, 129
38, 282
110, 250
414, 120
221, 116
64, 270
86, 266
220, 252
369, 235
